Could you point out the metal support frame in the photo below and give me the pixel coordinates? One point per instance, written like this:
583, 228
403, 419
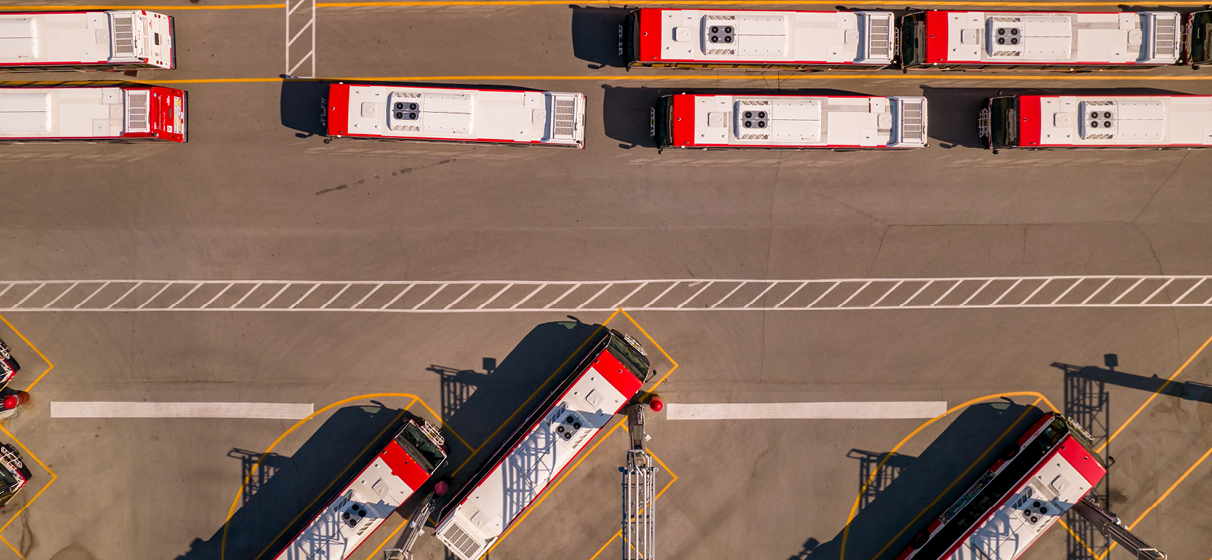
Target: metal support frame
415, 528
639, 492
292, 8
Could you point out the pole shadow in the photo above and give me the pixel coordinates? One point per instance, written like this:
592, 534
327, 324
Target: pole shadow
300, 484
922, 490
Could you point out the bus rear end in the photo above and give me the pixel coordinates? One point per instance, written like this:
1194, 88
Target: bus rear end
543, 446
14, 475
156, 113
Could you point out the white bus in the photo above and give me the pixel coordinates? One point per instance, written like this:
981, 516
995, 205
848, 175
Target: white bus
455, 115
113, 40
98, 114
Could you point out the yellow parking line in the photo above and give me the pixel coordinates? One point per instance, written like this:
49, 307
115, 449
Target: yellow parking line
1164, 495
49, 365
231, 511
54, 477
1154, 395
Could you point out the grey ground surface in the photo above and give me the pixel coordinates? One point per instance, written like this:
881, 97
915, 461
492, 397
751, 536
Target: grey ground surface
247, 198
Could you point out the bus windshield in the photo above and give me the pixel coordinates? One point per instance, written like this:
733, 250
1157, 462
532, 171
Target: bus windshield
416, 442
630, 37
663, 124
1003, 122
913, 27
1200, 30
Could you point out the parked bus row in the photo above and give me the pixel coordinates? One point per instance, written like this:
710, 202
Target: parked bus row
940, 39
686, 120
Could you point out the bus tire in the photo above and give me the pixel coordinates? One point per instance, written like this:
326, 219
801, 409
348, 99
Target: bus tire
920, 539
1009, 452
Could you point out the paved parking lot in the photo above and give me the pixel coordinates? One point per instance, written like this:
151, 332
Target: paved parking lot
257, 197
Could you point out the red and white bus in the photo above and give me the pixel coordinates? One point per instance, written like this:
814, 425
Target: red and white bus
789, 121
122, 114
1126, 121
455, 115
113, 40
393, 475
545, 443
758, 39
1068, 41
1034, 482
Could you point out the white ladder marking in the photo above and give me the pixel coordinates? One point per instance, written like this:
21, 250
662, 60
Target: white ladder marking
85, 300
60, 296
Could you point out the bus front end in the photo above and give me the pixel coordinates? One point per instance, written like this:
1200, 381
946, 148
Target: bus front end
1199, 38
997, 123
8, 365
629, 38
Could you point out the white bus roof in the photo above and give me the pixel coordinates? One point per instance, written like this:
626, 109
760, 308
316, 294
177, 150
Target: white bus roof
1057, 38
777, 36
67, 38
93, 112
807, 121
466, 114
1124, 120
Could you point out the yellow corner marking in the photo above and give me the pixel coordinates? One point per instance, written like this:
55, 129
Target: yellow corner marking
1154, 395
494, 433
1164, 495
863, 488
552, 488
658, 347
54, 477
49, 365
231, 511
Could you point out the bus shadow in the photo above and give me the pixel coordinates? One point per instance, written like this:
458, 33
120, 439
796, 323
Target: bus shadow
627, 111
953, 112
299, 484
595, 35
928, 485
502, 399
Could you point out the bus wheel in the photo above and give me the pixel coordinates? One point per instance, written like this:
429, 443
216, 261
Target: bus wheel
920, 539
1009, 452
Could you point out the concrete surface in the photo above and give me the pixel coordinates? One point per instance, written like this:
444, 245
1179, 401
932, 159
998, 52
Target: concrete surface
247, 198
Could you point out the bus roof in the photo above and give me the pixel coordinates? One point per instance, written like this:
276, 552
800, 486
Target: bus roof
516, 116
796, 121
96, 112
1068, 121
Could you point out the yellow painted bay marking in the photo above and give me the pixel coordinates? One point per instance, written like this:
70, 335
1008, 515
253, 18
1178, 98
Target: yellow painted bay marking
1164, 495
54, 477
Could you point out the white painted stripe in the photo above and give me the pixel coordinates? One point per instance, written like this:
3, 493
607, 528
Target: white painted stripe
806, 410
287, 411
